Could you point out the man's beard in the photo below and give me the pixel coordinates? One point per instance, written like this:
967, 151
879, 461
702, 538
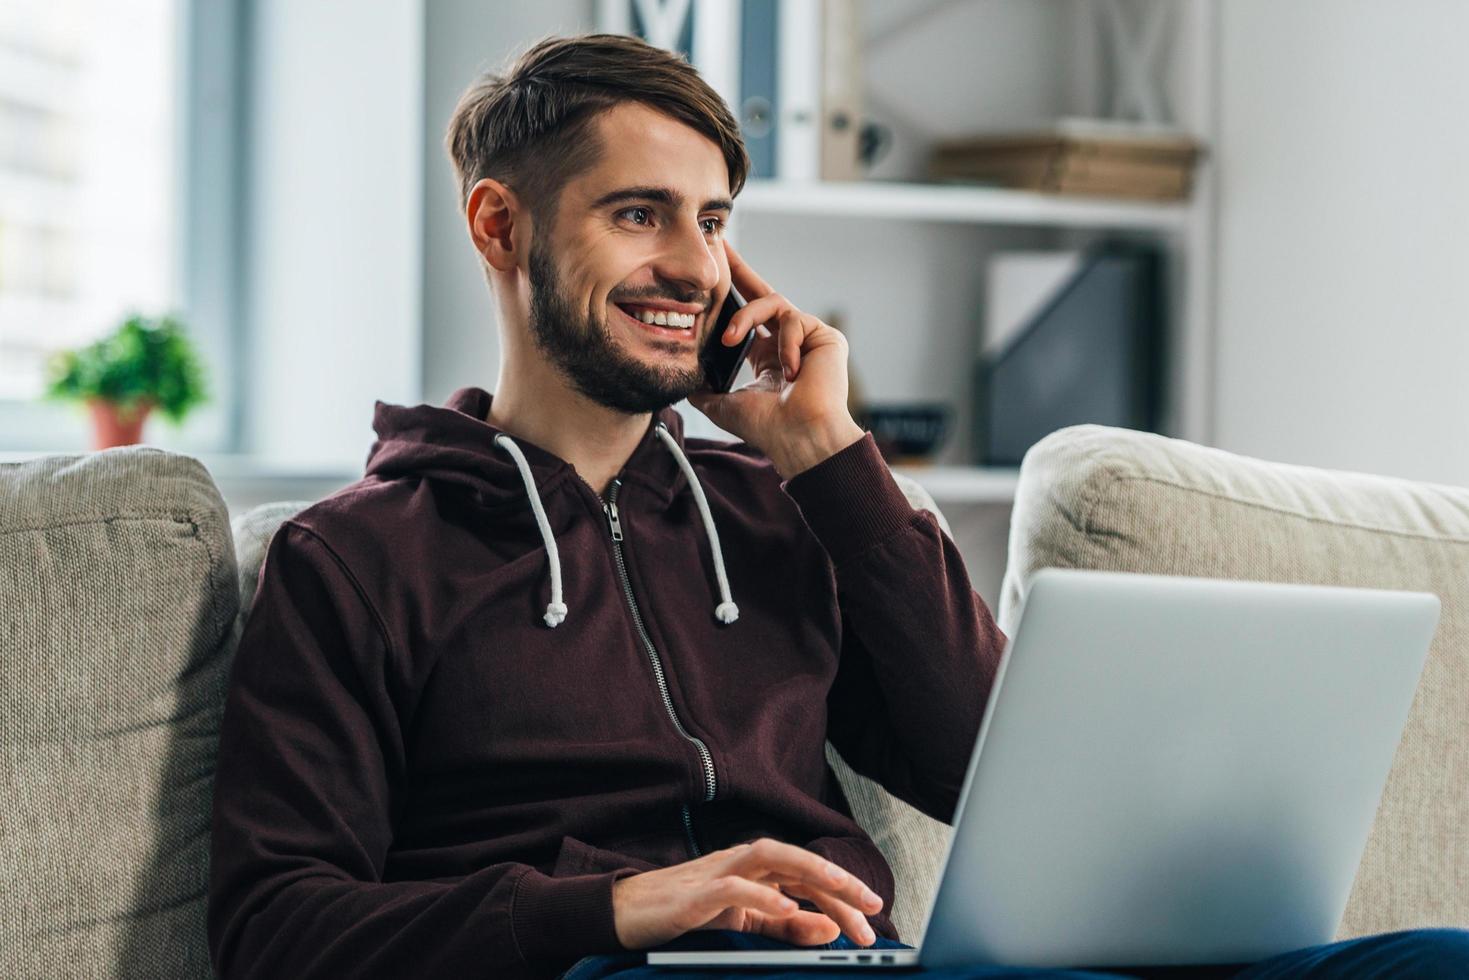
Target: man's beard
586, 354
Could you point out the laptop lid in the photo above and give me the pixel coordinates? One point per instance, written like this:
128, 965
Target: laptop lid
1175, 770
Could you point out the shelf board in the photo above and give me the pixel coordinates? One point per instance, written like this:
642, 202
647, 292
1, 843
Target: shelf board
956, 203
965, 484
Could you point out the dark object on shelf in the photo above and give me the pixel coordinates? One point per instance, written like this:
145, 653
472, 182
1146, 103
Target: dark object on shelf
907, 432
1094, 353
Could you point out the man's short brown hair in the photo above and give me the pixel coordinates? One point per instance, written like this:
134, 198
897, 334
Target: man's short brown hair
531, 127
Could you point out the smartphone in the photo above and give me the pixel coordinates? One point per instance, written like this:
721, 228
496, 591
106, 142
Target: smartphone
722, 363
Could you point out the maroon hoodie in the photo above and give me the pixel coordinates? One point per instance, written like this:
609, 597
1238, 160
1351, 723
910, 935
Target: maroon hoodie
419, 774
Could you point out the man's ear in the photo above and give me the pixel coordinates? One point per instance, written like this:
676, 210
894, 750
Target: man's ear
492, 211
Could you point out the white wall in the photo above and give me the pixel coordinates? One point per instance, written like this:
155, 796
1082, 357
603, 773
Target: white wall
461, 345
1343, 263
333, 240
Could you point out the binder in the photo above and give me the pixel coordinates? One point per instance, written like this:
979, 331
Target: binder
841, 90
798, 147
700, 30
759, 105
793, 77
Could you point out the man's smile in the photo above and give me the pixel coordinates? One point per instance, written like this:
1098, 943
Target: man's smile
669, 312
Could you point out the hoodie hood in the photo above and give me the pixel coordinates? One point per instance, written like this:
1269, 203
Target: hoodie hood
454, 444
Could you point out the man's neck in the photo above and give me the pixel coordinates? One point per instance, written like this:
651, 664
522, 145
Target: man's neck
597, 441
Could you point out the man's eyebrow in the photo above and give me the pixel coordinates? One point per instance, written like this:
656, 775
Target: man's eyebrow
662, 195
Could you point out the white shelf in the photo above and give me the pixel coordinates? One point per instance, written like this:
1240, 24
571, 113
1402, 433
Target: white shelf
965, 484
957, 203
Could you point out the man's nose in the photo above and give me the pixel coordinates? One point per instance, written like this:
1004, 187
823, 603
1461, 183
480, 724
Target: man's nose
689, 258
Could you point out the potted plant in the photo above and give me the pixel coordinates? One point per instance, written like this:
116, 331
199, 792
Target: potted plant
144, 364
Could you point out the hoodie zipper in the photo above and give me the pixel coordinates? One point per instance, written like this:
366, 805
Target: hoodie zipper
610, 509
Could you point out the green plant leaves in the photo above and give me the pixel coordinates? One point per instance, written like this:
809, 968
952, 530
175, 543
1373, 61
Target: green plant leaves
143, 358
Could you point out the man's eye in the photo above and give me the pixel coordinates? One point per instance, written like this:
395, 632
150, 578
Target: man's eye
710, 225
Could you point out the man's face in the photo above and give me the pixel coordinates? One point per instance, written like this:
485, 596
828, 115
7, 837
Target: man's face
640, 231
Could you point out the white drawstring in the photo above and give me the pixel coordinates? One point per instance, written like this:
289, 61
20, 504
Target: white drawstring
556, 610
726, 612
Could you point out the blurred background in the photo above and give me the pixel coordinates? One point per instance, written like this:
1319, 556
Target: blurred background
1242, 223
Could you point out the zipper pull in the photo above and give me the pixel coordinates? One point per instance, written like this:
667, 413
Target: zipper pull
611, 510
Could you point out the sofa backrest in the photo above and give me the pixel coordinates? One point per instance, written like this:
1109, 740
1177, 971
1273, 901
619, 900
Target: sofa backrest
118, 592
1093, 496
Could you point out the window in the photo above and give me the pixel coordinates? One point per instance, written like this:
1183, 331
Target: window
89, 209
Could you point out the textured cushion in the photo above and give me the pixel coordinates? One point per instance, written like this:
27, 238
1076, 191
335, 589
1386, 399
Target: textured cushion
1099, 497
252, 531
117, 573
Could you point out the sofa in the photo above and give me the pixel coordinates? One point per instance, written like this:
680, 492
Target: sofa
125, 582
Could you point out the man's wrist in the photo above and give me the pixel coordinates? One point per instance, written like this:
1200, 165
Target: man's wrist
816, 445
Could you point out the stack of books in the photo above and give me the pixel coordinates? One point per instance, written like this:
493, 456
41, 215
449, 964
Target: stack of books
1090, 157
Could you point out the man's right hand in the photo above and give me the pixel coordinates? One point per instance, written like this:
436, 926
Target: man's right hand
745, 888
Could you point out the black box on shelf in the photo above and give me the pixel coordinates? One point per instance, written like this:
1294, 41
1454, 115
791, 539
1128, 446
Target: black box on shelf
1093, 353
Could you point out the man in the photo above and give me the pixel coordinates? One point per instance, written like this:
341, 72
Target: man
552, 681
549, 680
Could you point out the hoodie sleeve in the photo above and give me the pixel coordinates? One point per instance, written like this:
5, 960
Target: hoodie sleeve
309, 770
919, 646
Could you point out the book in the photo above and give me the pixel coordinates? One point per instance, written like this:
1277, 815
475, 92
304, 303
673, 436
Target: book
996, 147
1175, 189
841, 90
1082, 138
1076, 157
759, 108
1061, 166
798, 119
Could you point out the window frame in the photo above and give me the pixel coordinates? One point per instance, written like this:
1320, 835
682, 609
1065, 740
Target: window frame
210, 51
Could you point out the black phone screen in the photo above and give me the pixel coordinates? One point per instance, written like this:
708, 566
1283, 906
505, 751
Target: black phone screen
720, 362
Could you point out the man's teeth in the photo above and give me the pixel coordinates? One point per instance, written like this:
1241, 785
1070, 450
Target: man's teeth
663, 318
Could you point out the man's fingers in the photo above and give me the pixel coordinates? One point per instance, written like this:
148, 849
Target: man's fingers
846, 915
803, 928
793, 330
789, 864
769, 854
767, 308
731, 890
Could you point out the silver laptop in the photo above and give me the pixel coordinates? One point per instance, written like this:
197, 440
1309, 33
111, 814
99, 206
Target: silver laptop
1170, 771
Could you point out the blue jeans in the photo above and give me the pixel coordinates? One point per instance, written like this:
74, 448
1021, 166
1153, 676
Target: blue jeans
1414, 954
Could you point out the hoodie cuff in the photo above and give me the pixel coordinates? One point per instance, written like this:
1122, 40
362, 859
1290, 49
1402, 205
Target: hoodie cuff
850, 499
557, 921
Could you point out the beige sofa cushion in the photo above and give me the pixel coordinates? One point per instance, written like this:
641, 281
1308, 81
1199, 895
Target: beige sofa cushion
1099, 497
117, 573
252, 532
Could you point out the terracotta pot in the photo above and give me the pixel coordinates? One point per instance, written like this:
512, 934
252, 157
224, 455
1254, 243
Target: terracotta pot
118, 425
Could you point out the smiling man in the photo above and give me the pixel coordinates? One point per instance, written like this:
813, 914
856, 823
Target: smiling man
551, 682
615, 337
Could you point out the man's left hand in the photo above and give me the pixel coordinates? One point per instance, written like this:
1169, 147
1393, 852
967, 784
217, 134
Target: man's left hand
795, 411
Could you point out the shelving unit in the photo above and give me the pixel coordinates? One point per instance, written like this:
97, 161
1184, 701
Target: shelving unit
965, 484
957, 203
913, 312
